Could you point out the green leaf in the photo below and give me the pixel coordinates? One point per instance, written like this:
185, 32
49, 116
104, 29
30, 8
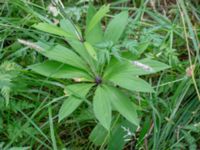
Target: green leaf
155, 65
70, 28
144, 131
76, 92
102, 107
62, 54
97, 18
90, 13
85, 115
116, 27
5, 92
122, 104
19, 148
126, 67
81, 50
131, 82
91, 50
68, 107
142, 46
50, 28
55, 69
118, 137
52, 132
98, 135
118, 66
97, 30
191, 140
80, 89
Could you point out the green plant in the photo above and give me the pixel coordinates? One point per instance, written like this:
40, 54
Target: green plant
30, 102
8, 74
91, 62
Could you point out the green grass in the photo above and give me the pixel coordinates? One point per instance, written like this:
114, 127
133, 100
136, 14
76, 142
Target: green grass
30, 103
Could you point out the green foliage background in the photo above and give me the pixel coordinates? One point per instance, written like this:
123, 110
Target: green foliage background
166, 31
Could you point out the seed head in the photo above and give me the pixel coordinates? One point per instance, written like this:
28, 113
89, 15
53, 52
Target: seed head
143, 66
30, 44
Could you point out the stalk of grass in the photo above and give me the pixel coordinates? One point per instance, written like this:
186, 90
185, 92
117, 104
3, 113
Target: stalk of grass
182, 14
53, 139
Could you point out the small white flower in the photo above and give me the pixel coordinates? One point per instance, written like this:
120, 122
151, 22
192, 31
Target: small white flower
53, 10
128, 135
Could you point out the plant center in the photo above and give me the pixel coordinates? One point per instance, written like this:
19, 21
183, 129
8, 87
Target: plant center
98, 80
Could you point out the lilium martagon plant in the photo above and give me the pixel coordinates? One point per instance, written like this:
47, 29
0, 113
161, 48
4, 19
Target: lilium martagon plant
95, 68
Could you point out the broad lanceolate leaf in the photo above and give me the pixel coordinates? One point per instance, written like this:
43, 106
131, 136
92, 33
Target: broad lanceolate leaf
97, 18
71, 103
70, 28
155, 65
79, 90
63, 54
127, 67
131, 82
50, 28
116, 27
68, 107
117, 140
90, 50
122, 103
81, 50
102, 107
97, 30
115, 67
55, 69
98, 135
